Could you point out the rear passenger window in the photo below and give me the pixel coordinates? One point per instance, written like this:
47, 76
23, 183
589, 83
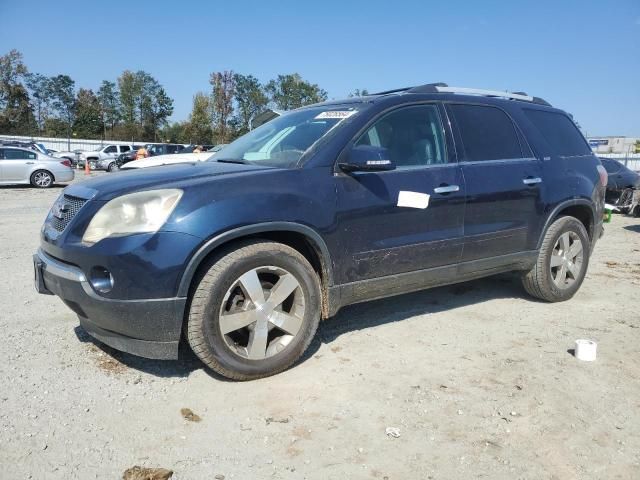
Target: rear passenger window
560, 132
412, 135
487, 133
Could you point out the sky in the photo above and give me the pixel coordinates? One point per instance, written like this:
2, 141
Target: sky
580, 55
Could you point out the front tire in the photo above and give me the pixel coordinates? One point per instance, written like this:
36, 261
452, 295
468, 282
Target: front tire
254, 310
41, 179
562, 262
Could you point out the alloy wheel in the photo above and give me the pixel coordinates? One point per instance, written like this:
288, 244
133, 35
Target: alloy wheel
42, 179
262, 312
566, 260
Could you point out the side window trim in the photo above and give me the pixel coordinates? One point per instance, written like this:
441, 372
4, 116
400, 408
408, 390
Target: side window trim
450, 154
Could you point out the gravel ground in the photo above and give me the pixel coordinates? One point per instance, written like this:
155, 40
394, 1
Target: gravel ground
476, 378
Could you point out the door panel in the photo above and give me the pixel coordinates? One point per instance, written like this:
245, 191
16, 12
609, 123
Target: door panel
381, 238
17, 164
378, 236
502, 178
500, 206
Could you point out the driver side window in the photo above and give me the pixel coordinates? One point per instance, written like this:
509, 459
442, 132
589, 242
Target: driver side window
412, 135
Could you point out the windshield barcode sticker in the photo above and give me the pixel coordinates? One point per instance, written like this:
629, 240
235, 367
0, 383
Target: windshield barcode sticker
339, 114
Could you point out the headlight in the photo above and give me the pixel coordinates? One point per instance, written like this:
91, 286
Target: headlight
142, 212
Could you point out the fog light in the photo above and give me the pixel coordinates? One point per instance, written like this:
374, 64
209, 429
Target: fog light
101, 279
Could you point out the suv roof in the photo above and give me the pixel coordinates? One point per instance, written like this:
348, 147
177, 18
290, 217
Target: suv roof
443, 88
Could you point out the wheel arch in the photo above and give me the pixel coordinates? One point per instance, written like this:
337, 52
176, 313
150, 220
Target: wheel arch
581, 209
300, 237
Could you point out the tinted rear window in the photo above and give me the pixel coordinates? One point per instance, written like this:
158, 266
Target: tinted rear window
560, 132
487, 133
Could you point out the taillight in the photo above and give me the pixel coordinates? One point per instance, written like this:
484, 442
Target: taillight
604, 176
66, 163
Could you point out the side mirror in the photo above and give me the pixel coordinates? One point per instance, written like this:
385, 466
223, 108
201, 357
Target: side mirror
367, 158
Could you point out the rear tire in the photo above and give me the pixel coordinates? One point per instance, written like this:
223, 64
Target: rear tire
254, 310
111, 167
41, 179
562, 262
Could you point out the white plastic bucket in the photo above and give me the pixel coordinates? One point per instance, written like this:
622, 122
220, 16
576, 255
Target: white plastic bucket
586, 350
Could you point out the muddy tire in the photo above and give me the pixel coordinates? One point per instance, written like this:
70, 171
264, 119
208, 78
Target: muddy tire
254, 310
562, 261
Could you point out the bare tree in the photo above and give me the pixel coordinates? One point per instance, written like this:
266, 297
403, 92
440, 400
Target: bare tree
223, 90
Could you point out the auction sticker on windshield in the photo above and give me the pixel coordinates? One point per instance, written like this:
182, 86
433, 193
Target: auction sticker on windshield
339, 114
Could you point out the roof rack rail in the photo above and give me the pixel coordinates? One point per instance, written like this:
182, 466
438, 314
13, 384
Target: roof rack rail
485, 93
395, 90
522, 96
441, 87
428, 88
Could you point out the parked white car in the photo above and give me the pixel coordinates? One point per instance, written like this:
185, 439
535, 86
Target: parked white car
168, 160
107, 151
24, 166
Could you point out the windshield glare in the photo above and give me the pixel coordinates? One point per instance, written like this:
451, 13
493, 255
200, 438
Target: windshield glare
282, 141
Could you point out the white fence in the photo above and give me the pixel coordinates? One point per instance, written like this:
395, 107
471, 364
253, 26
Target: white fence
63, 144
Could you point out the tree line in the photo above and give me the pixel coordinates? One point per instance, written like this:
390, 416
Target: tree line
136, 106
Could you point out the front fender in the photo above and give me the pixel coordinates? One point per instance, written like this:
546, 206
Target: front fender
213, 243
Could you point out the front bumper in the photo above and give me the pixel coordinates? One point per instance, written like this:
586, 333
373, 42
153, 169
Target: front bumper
148, 328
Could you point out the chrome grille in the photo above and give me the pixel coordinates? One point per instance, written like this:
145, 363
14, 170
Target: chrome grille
63, 211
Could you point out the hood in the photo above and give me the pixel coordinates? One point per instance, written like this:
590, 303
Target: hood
168, 160
183, 175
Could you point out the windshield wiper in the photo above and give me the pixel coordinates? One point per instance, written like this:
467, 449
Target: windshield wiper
232, 160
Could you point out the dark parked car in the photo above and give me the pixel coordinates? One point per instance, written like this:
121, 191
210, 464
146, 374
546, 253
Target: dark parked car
325, 206
620, 178
126, 157
162, 148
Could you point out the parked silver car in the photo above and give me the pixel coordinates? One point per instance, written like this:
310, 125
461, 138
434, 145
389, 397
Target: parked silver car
23, 166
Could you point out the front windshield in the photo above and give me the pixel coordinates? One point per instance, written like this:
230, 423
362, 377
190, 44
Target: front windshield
282, 141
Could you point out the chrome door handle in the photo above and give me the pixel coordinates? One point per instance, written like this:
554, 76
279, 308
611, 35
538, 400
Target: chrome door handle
29, 163
447, 189
531, 180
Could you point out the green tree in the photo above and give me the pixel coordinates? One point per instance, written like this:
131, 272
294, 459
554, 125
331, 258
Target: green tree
176, 132
145, 105
129, 89
291, 91
223, 91
63, 101
108, 96
16, 113
198, 129
159, 109
250, 100
40, 88
88, 118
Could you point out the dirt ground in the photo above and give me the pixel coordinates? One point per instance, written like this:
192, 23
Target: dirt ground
476, 378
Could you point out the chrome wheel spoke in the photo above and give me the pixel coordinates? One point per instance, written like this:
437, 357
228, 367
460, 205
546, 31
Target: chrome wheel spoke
230, 322
563, 241
556, 260
286, 322
561, 277
575, 249
257, 347
573, 269
281, 290
252, 287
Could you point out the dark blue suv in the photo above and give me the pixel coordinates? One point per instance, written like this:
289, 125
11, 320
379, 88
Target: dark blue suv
326, 206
